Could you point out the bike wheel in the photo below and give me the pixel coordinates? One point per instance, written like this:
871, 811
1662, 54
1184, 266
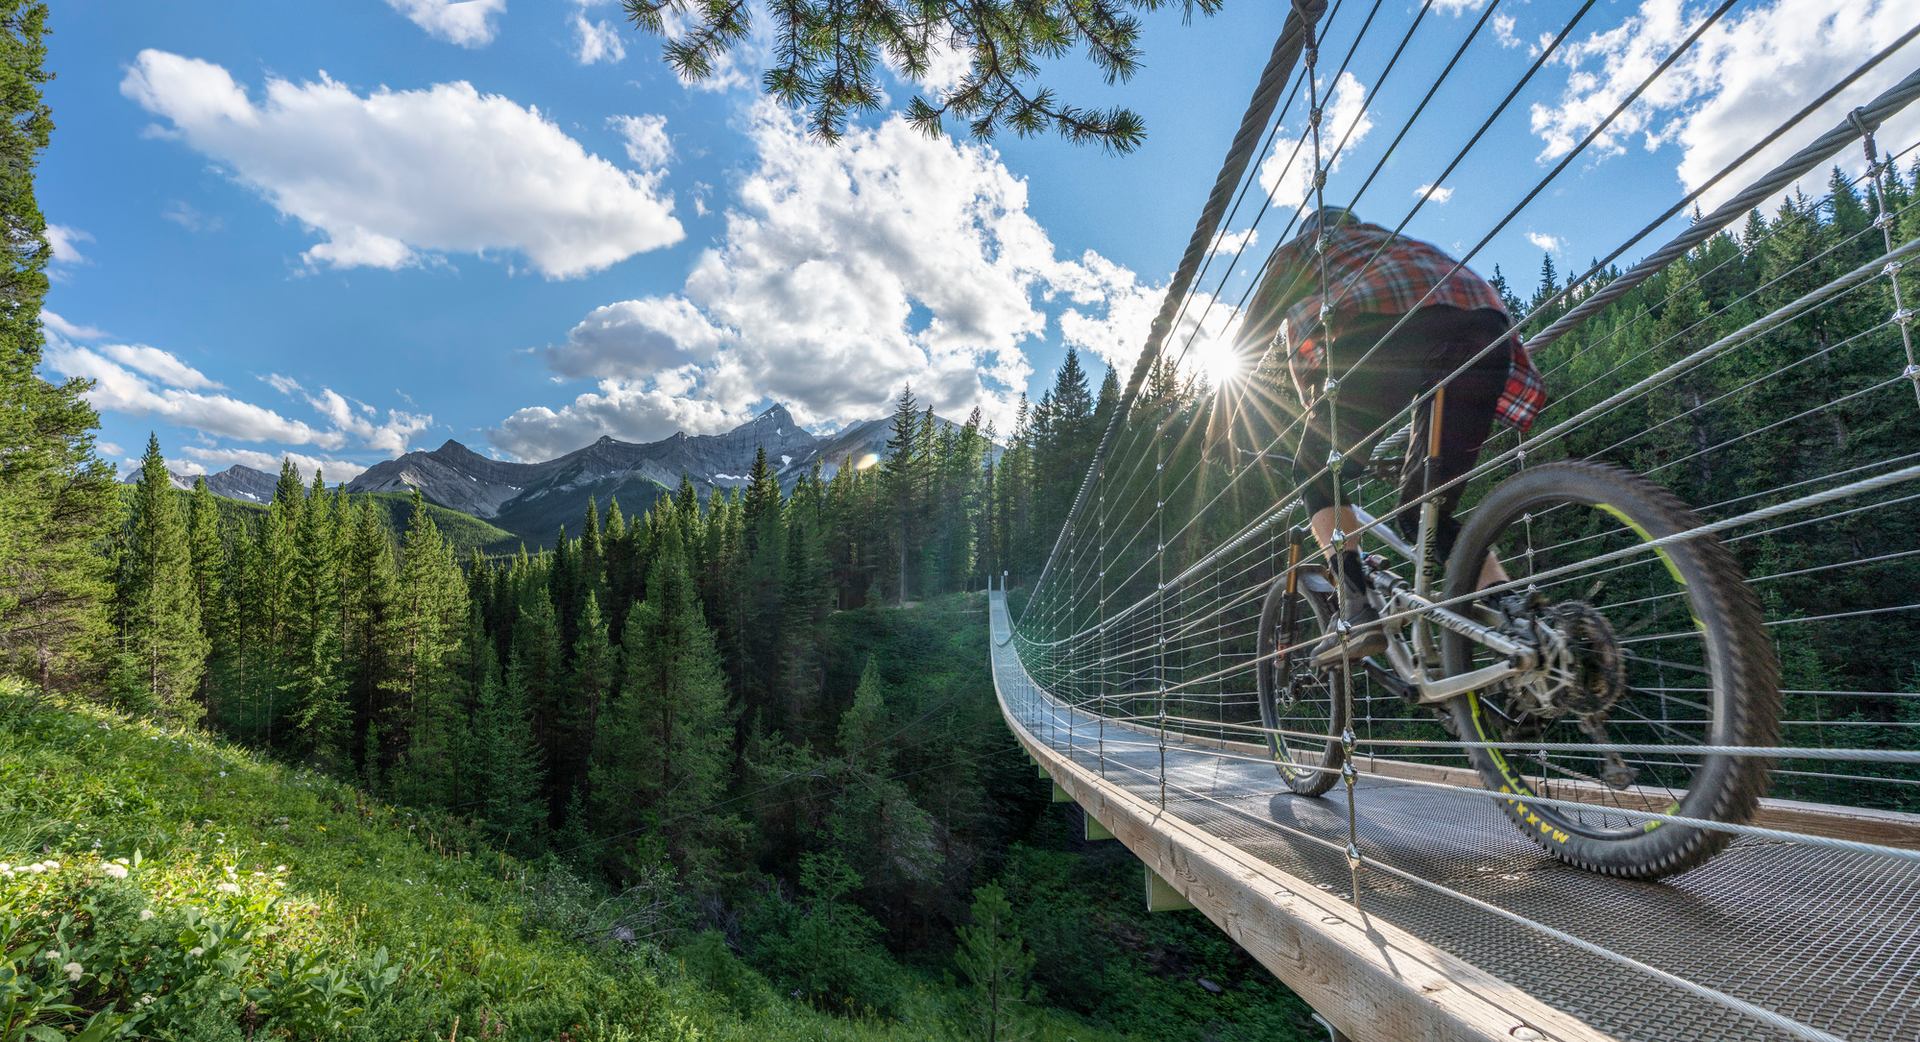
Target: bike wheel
1294, 697
1667, 643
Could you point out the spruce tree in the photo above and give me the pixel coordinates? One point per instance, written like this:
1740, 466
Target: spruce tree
206, 547
904, 485
316, 683
368, 625
162, 650
506, 762
58, 503
665, 741
589, 685
764, 553
993, 959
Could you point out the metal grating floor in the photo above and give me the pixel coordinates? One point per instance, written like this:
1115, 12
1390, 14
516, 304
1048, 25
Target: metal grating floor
1828, 939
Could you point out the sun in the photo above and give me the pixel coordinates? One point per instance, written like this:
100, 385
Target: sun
1218, 359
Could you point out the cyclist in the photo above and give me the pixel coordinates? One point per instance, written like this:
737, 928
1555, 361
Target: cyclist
1418, 317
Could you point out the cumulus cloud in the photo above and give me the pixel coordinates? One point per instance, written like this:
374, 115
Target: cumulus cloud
1458, 7
1543, 241
1503, 25
1231, 243
1433, 193
637, 338
1346, 118
596, 40
1116, 331
646, 139
389, 176
843, 271
1745, 74
64, 243
469, 23
71, 330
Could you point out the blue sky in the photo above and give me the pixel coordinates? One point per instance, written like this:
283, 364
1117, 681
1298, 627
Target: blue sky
340, 231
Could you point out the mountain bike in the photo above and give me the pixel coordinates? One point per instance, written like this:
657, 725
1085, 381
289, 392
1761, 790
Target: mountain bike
1607, 676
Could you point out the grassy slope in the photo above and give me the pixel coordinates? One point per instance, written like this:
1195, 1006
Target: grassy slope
288, 903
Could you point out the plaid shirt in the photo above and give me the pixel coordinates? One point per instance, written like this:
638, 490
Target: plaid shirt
1405, 275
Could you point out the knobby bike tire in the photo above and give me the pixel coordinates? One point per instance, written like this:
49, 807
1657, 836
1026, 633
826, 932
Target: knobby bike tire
1744, 674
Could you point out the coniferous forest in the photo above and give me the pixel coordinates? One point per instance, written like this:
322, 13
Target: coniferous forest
720, 768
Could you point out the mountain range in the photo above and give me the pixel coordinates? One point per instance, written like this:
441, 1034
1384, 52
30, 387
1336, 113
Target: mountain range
532, 500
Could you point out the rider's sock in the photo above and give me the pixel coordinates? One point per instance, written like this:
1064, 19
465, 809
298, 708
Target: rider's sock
1350, 569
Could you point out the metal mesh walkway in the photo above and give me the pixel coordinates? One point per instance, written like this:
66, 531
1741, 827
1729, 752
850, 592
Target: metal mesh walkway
1828, 939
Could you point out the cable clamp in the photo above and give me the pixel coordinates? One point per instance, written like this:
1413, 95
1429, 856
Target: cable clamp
1903, 317
1884, 219
1892, 269
1913, 373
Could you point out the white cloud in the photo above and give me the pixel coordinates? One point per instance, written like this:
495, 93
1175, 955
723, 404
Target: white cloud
636, 338
1231, 243
184, 215
946, 67
159, 365
596, 40
1433, 193
390, 175
1291, 183
118, 388
1503, 25
202, 458
1745, 74
648, 145
140, 380
61, 327
1118, 331
469, 23
632, 410
282, 383
1543, 241
1458, 7
64, 243
843, 272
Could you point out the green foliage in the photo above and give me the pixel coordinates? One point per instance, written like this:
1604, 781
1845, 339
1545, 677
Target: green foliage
57, 501
998, 965
826, 59
161, 651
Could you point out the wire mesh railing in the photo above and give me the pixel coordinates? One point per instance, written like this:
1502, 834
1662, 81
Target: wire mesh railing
1760, 368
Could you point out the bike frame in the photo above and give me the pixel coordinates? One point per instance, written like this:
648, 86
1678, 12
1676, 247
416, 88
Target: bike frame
1413, 657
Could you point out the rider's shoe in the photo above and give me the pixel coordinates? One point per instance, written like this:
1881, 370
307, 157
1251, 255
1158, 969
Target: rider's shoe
1364, 636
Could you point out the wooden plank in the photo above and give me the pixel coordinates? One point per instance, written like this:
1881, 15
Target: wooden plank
1372, 980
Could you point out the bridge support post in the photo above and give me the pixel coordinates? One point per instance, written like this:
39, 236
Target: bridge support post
1161, 896
1095, 830
1061, 795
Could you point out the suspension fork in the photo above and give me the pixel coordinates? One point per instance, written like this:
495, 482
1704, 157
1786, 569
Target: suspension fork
1426, 560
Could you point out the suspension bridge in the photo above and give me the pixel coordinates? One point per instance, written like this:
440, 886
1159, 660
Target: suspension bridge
1406, 901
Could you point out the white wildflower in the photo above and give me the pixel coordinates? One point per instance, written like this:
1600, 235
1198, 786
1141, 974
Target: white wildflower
52, 864
279, 868
74, 970
116, 871
146, 914
52, 955
195, 953
146, 1000
228, 888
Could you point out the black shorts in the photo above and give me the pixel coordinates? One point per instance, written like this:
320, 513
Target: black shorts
1433, 343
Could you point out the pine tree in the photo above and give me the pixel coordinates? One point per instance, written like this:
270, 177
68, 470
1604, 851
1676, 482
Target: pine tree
316, 684
665, 743
590, 684
368, 624
206, 547
58, 502
863, 727
993, 959
904, 484
763, 551
162, 650
425, 692
506, 762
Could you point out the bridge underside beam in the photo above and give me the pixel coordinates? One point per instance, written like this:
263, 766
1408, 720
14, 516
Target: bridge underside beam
1371, 980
